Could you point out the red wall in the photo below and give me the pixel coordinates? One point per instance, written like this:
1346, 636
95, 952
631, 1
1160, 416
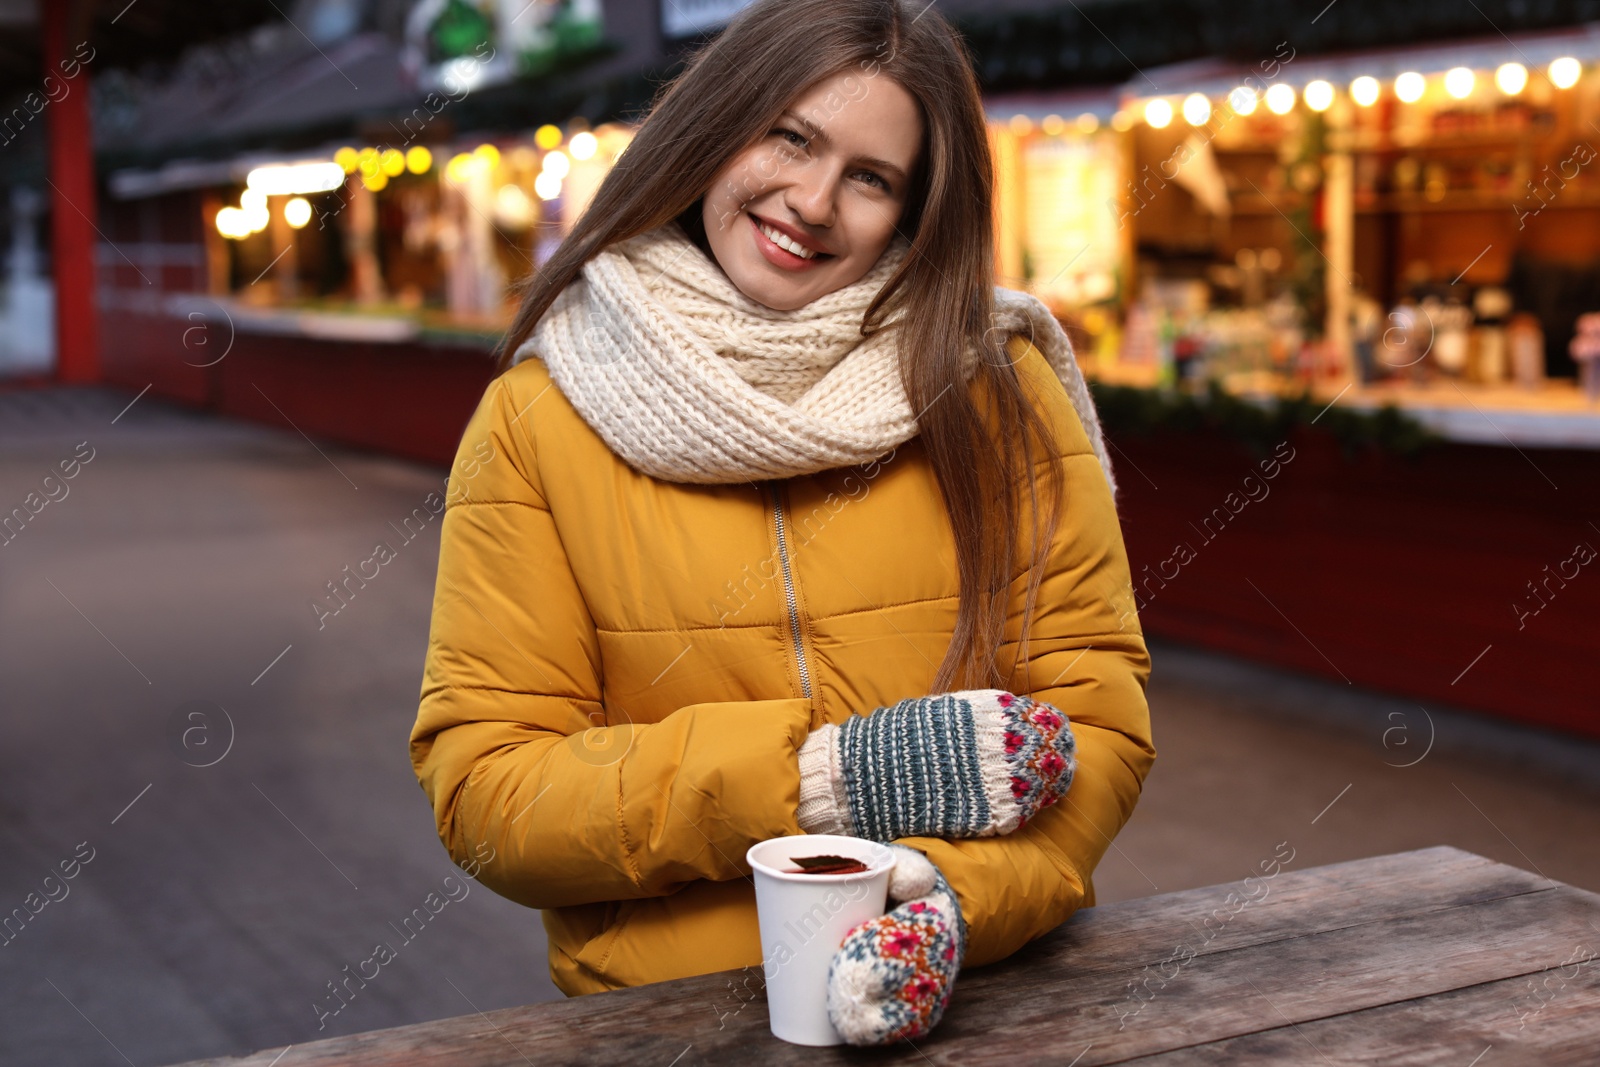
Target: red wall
410, 400
1397, 572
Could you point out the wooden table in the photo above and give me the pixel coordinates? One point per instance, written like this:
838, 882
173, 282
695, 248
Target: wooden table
1430, 957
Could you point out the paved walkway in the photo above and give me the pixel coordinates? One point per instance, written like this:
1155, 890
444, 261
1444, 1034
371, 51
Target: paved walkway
229, 784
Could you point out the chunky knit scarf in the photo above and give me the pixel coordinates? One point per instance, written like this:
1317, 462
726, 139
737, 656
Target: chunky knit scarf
689, 380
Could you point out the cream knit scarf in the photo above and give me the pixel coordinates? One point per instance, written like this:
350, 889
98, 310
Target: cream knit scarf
689, 380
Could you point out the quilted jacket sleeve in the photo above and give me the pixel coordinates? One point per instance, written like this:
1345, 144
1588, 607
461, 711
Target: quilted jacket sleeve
511, 743
1086, 655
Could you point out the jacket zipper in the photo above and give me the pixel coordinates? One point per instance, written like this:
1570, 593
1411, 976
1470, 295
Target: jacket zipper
788, 589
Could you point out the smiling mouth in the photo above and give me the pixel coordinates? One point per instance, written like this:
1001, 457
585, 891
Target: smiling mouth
785, 242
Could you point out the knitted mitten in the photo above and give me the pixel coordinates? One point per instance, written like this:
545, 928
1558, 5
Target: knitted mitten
892, 976
974, 763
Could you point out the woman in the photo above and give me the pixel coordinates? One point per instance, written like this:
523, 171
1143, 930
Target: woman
781, 518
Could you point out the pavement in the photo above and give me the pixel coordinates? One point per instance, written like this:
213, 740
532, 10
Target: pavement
225, 776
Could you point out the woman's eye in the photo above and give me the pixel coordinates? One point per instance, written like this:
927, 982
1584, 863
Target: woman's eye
873, 179
793, 137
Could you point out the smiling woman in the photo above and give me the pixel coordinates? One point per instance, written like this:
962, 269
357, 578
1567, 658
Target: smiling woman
784, 283
810, 207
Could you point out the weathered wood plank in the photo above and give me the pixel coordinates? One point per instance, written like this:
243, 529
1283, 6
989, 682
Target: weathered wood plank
1550, 1018
1320, 942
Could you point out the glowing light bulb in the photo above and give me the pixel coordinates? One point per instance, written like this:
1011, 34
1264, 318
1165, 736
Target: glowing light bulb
297, 212
1364, 90
547, 185
1243, 100
1280, 99
489, 154
231, 224
1319, 95
1564, 72
1158, 113
1458, 82
1196, 109
547, 136
1088, 122
418, 159
584, 145
346, 158
1511, 78
556, 163
392, 162
1410, 86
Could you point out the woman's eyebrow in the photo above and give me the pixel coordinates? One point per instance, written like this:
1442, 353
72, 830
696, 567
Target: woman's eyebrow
817, 134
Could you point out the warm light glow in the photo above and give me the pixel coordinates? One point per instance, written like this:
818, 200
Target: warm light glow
253, 201
1088, 122
295, 179
1280, 99
1511, 78
1158, 113
392, 162
547, 185
1365, 90
556, 163
1458, 82
1319, 95
375, 182
1053, 126
1243, 100
489, 154
513, 209
1196, 109
231, 224
1564, 72
418, 159
347, 159
1122, 121
297, 212
1410, 86
1021, 125
461, 167
585, 144
547, 136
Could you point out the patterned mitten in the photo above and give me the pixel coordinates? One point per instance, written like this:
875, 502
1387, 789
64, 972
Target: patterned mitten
975, 763
892, 976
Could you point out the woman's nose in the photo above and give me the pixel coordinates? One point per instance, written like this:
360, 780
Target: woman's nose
811, 196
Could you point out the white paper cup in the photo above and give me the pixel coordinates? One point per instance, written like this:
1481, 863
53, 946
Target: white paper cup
804, 918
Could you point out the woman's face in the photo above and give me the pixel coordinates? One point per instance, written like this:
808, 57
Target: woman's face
811, 205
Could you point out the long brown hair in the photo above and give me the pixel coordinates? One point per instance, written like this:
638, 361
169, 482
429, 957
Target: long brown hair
726, 99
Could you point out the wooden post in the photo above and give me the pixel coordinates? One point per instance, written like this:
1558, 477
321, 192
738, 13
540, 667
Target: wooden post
73, 236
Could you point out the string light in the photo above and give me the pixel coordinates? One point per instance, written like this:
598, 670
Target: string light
1410, 86
392, 162
1511, 78
1459, 81
1196, 109
585, 144
1319, 95
418, 159
1053, 126
1564, 72
297, 212
547, 136
1365, 90
346, 158
489, 154
556, 163
1088, 122
547, 185
1243, 100
231, 224
1280, 99
1158, 113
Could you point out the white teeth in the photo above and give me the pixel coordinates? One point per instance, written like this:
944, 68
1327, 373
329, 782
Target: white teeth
785, 242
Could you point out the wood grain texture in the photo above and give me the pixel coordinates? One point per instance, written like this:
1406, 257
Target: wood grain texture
1402, 959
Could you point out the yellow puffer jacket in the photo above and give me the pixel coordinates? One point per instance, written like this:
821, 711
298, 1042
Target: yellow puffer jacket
621, 670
